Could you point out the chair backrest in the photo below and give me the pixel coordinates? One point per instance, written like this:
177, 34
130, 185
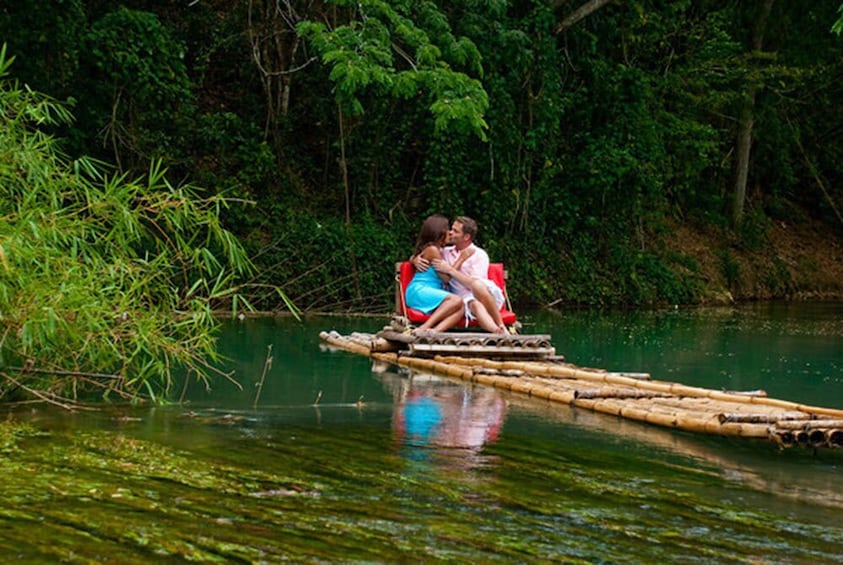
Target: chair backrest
404, 272
497, 274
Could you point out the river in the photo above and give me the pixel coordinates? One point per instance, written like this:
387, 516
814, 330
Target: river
318, 456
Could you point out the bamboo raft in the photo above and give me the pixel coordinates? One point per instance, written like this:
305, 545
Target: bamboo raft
528, 365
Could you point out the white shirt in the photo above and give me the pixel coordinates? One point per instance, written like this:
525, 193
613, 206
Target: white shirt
476, 266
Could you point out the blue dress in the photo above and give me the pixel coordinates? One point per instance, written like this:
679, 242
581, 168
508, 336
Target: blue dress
426, 291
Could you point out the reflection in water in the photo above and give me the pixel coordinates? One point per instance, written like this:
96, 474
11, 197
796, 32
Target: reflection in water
435, 417
753, 465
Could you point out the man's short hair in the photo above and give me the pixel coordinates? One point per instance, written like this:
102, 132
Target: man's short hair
469, 226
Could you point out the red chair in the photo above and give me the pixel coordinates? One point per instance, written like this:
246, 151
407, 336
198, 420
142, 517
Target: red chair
404, 272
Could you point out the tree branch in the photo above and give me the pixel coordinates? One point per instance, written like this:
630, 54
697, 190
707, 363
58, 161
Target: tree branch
47, 397
580, 13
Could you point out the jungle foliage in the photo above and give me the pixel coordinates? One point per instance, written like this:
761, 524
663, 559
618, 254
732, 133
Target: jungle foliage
579, 143
108, 282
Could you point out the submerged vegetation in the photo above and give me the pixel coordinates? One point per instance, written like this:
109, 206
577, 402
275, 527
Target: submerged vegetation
346, 489
107, 283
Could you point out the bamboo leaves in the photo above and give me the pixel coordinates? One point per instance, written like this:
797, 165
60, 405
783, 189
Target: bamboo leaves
103, 272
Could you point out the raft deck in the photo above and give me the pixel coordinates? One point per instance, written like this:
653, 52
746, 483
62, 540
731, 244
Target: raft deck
472, 344
528, 365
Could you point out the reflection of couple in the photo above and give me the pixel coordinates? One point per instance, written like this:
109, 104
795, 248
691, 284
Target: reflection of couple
457, 286
448, 415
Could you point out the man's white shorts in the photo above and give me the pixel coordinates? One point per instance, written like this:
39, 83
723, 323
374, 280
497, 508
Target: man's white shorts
496, 291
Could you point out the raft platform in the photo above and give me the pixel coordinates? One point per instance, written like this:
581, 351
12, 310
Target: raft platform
472, 344
528, 365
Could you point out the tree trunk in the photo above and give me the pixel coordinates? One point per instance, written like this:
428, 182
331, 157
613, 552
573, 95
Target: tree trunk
746, 121
743, 150
355, 273
275, 51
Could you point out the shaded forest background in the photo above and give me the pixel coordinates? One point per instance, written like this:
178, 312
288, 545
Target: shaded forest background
615, 153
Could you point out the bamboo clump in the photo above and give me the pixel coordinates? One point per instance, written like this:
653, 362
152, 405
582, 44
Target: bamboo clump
633, 396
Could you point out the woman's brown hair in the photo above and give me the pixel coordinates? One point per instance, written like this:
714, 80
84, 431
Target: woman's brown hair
433, 230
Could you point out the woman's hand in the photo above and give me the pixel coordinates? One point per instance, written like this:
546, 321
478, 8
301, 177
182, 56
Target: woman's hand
466, 253
442, 267
420, 263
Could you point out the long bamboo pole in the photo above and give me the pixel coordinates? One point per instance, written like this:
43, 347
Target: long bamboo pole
809, 424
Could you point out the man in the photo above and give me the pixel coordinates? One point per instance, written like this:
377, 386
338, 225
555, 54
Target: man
467, 265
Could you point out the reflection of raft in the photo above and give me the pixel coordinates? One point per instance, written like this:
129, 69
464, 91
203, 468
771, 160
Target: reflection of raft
497, 361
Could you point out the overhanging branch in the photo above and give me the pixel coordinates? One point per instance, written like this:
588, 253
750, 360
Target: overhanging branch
580, 13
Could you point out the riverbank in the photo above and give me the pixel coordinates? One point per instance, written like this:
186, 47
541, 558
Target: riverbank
695, 265
792, 260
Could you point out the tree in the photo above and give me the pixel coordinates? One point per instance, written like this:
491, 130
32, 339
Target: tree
46, 38
278, 54
746, 118
402, 50
137, 87
106, 283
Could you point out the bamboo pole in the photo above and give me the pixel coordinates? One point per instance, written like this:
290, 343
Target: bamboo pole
685, 419
562, 396
521, 387
810, 424
343, 343
816, 438
488, 380
726, 410
616, 392
386, 357
784, 438
769, 418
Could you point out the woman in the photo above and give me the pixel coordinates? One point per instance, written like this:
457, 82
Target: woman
426, 292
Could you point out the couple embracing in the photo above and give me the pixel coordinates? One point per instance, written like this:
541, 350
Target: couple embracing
451, 280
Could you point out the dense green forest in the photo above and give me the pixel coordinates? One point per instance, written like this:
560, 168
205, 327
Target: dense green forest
584, 136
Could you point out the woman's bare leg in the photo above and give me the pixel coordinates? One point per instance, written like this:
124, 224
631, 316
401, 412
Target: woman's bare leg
451, 303
484, 319
452, 320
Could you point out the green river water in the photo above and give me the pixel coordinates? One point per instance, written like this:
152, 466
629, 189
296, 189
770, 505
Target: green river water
340, 461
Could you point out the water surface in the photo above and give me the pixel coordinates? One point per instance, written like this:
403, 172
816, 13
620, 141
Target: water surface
333, 459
